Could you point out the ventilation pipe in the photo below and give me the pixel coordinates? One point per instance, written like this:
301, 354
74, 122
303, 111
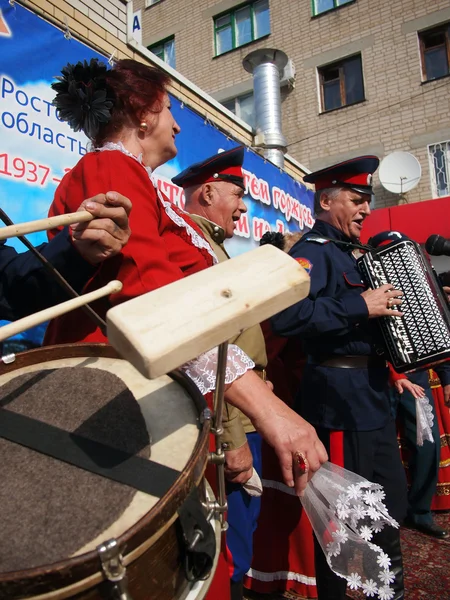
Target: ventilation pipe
266, 65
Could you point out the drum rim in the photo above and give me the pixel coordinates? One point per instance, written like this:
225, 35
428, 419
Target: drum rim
72, 570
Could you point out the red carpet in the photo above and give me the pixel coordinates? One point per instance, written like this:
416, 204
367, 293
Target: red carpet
426, 562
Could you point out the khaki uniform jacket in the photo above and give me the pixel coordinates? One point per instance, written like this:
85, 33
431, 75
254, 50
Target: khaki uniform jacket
251, 341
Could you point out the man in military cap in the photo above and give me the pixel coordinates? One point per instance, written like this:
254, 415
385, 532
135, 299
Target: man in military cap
344, 390
214, 190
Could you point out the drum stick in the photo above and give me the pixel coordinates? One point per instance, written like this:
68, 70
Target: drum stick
81, 216
56, 311
163, 329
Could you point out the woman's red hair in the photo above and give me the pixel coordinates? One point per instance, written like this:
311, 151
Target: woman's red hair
138, 89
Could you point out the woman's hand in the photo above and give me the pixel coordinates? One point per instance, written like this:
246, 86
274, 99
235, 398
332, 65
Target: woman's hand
404, 384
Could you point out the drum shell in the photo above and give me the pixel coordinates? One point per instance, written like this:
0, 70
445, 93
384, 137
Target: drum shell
150, 548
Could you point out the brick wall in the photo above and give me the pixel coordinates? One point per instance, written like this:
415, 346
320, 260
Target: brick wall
102, 24
399, 113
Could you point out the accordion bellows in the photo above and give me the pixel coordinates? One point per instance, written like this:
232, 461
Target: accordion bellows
421, 338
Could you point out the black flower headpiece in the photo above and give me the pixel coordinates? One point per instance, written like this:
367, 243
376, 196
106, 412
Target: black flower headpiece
83, 99
275, 238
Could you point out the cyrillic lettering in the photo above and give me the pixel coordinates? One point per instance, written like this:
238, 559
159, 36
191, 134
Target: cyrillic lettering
59, 135
33, 127
8, 114
81, 149
48, 136
20, 120
73, 142
5, 83
32, 103
21, 94
260, 226
49, 107
242, 227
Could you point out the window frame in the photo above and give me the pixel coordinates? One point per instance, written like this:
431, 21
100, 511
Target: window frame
328, 10
445, 28
232, 14
162, 43
433, 178
339, 64
237, 106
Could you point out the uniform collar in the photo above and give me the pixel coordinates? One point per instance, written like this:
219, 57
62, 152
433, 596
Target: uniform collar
212, 229
329, 231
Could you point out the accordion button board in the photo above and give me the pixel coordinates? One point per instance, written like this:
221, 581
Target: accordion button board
421, 338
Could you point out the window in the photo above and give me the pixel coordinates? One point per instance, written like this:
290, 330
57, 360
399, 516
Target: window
151, 2
341, 83
321, 6
435, 52
241, 26
439, 156
243, 107
165, 50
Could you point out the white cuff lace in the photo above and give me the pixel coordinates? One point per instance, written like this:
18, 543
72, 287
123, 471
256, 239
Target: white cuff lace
202, 370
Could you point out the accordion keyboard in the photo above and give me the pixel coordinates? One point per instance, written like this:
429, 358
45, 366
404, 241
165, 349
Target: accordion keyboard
422, 335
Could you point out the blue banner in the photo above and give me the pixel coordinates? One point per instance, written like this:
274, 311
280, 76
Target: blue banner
36, 149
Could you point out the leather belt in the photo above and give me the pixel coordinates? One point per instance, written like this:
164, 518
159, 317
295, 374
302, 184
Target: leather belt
348, 362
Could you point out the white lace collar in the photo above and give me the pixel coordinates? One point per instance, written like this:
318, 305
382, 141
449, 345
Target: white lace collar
121, 148
197, 240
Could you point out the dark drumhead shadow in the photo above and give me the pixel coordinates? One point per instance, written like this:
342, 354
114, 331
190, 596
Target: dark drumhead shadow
50, 509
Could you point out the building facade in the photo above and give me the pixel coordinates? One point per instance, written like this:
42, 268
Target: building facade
364, 76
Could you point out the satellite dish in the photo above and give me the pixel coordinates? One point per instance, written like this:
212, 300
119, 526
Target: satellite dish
400, 172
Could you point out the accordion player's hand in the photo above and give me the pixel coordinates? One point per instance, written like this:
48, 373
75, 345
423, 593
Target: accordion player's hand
446, 289
383, 302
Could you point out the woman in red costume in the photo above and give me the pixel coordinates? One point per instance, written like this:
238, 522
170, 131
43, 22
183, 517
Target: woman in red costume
125, 112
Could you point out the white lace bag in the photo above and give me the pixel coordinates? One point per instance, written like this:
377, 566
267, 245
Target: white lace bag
345, 510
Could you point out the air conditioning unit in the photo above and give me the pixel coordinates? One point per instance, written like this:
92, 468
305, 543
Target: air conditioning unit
288, 77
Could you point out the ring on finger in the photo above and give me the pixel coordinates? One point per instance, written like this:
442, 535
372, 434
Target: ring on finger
301, 462
390, 302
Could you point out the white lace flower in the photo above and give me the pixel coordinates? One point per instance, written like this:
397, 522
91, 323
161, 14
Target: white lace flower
333, 549
370, 588
358, 512
366, 533
383, 560
373, 513
379, 495
387, 576
340, 536
343, 513
369, 497
385, 593
378, 526
354, 581
342, 502
353, 492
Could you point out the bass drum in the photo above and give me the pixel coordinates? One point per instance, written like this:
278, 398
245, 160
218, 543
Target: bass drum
86, 406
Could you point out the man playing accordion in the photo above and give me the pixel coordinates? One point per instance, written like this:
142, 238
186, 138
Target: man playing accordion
344, 390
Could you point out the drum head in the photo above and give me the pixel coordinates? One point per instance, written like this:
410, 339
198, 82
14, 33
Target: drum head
51, 510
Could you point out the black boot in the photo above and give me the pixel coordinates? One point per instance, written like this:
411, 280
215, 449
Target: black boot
389, 541
237, 590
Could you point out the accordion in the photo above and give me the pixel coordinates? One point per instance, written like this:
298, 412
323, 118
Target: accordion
421, 338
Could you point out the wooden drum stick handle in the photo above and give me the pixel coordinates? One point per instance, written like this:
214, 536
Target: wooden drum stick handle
55, 311
43, 224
